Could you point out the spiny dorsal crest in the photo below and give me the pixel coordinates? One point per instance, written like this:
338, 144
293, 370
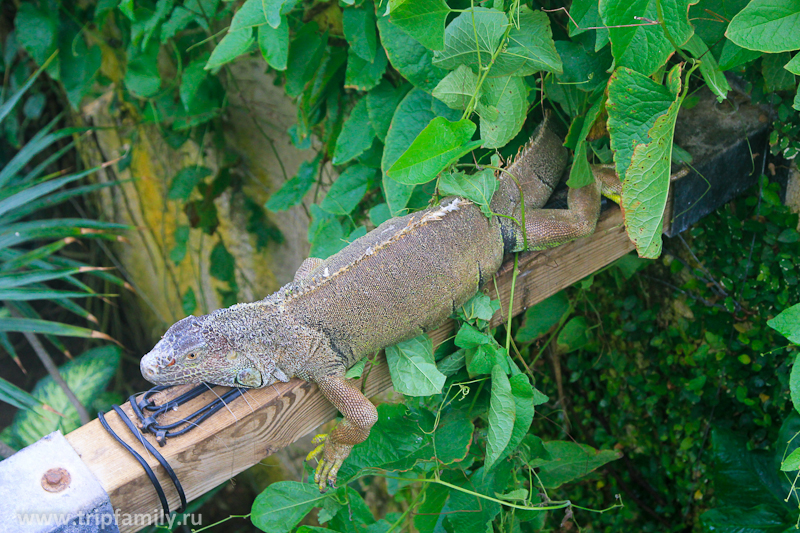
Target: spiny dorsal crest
323, 275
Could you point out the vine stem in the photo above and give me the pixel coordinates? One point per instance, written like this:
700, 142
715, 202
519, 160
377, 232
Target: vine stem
511, 303
668, 35
408, 510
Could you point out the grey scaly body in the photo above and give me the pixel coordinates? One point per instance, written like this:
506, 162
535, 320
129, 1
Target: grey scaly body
400, 280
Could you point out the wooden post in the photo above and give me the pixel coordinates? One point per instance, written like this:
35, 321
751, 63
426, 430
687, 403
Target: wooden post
265, 420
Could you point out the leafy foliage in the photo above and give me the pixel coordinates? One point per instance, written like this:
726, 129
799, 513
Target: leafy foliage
407, 101
87, 376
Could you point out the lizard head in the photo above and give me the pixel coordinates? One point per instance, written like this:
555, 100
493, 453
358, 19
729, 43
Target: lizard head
189, 353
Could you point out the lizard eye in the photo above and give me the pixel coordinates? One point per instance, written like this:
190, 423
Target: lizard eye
191, 356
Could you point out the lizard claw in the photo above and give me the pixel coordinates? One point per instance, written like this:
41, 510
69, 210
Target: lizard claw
330, 456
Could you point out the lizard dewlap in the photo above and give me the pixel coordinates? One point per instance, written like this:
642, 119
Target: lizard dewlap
398, 281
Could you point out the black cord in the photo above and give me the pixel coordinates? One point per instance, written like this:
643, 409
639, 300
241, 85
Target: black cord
147, 412
147, 469
160, 458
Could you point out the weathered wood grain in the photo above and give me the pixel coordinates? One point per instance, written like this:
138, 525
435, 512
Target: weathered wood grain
268, 419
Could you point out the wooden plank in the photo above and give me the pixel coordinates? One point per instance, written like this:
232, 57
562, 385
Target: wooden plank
268, 419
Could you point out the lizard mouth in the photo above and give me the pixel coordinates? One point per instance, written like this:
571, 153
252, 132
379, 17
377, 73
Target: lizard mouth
149, 368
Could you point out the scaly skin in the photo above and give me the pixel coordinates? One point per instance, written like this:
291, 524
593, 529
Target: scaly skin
400, 280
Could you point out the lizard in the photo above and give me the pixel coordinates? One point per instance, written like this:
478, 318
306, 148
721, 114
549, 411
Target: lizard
398, 281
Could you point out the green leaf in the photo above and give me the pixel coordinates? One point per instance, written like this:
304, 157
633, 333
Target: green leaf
363, 75
404, 437
382, 102
478, 187
639, 46
509, 97
258, 13
37, 32
471, 39
348, 190
353, 516
356, 136
481, 359
25, 194
523, 394
274, 44
412, 60
78, 63
291, 193
189, 302
583, 67
742, 477
142, 78
793, 66
469, 336
305, 57
570, 461
413, 368
502, 412
355, 371
479, 309
283, 504
529, 49
192, 79
543, 316
222, 265
580, 175
457, 88
413, 114
452, 363
181, 236
767, 26
379, 214
794, 384
634, 103
733, 56
709, 68
574, 335
777, 78
437, 146
792, 461
761, 518
16, 397
10, 280
29, 293
787, 323
87, 376
468, 514
586, 14
325, 233
359, 30
423, 20
429, 511
234, 44
185, 181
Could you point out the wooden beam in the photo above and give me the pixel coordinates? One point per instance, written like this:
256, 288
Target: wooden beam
265, 420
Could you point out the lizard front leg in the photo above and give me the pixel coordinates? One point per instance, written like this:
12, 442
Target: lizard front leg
359, 417
545, 228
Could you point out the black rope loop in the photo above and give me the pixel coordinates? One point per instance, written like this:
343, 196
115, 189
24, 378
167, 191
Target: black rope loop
148, 412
